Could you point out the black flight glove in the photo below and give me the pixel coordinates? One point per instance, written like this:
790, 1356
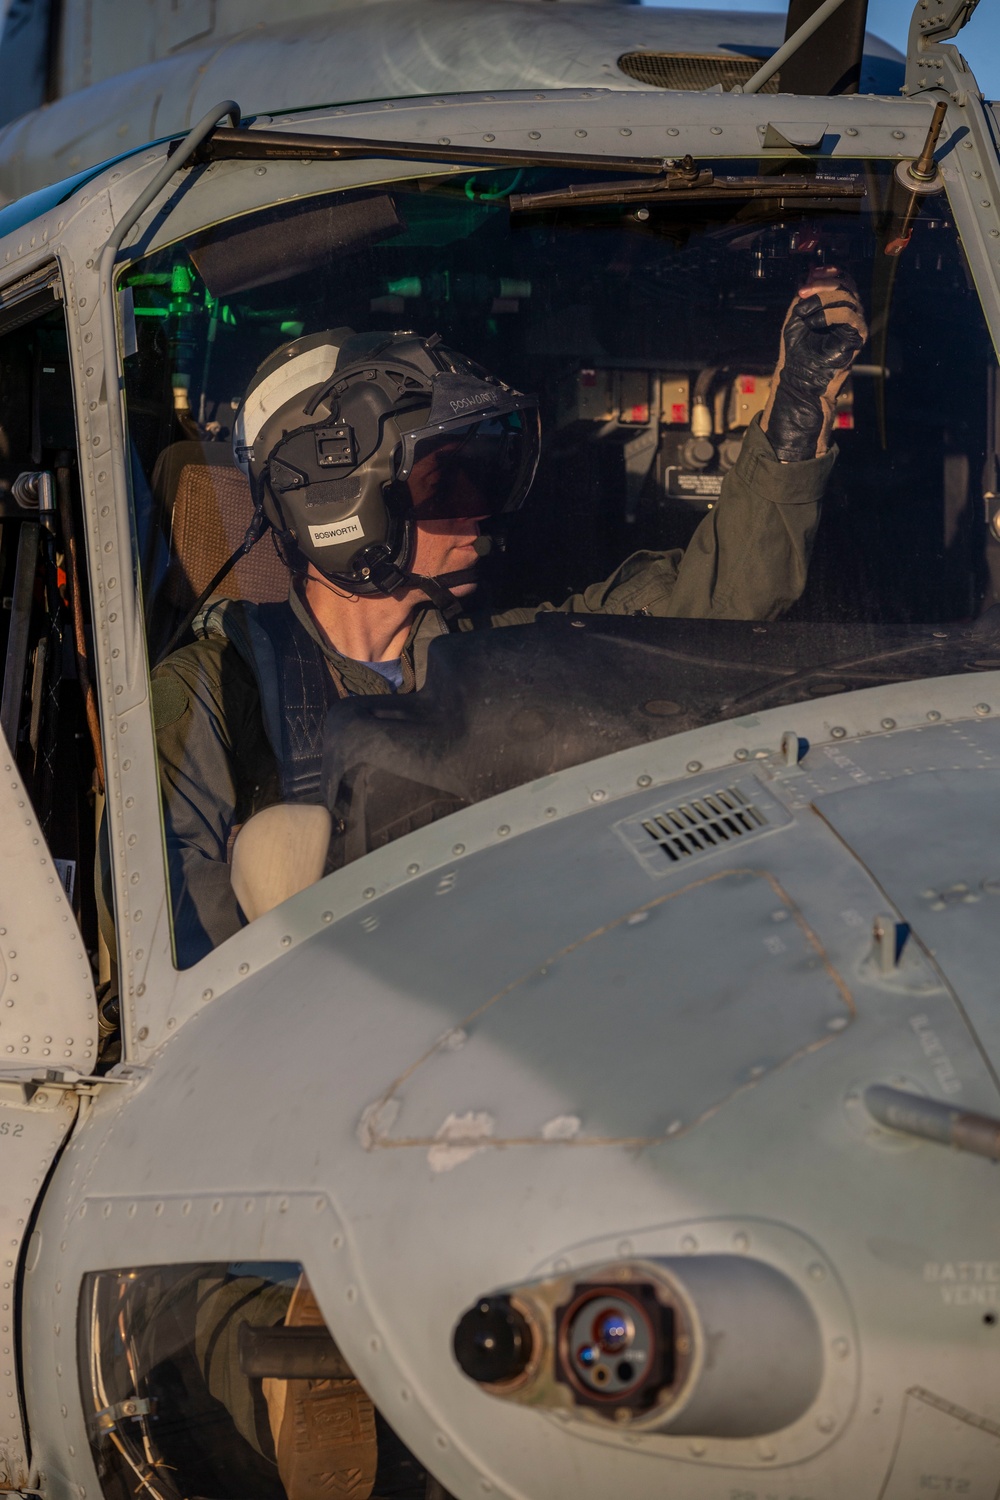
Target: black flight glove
820, 339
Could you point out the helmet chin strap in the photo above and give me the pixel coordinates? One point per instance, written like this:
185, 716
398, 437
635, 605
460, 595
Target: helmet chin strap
438, 589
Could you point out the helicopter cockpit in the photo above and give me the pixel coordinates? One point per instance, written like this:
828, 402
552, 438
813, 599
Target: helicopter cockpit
648, 327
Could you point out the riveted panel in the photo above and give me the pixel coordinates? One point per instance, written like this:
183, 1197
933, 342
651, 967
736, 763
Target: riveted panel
31, 1132
48, 1010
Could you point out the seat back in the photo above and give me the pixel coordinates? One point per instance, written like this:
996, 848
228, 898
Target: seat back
210, 507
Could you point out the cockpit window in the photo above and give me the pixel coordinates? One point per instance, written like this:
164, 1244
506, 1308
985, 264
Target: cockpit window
222, 1381
643, 334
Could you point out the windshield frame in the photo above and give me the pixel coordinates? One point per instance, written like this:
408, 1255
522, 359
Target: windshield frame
227, 191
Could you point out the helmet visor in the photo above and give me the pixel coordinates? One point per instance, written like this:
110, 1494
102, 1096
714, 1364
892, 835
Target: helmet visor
482, 467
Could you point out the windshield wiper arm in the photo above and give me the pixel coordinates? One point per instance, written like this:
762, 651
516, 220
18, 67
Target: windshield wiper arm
287, 145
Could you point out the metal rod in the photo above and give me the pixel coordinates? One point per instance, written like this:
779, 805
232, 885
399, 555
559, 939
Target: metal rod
17, 637
287, 145
109, 338
924, 169
290, 1354
767, 70
64, 493
930, 1120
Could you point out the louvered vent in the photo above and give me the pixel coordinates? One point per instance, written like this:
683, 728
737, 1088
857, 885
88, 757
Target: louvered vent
704, 823
692, 70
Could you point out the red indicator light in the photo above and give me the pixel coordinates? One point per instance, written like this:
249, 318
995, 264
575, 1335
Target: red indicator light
844, 421
748, 385
679, 413
639, 414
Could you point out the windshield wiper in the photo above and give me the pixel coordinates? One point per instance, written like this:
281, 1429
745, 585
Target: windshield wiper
682, 182
285, 145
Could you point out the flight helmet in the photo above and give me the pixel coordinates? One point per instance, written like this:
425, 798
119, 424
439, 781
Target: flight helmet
348, 439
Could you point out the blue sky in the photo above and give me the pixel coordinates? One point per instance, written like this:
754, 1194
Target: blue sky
979, 42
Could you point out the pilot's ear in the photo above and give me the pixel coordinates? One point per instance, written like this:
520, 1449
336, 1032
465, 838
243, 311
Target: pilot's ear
277, 853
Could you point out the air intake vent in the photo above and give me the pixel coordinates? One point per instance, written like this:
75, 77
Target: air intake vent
708, 820
703, 823
692, 70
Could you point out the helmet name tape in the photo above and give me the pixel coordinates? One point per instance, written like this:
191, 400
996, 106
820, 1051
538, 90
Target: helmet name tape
471, 403
337, 531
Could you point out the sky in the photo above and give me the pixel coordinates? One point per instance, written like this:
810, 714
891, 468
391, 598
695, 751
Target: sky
979, 41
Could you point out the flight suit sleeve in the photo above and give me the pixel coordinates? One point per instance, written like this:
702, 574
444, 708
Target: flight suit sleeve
213, 758
749, 557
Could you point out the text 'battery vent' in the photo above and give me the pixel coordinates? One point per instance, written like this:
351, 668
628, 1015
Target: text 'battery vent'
692, 70
703, 823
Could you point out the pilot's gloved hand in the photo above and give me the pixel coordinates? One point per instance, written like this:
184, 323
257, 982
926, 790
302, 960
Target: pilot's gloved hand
820, 339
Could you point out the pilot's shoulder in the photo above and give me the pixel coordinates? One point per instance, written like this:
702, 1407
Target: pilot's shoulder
210, 674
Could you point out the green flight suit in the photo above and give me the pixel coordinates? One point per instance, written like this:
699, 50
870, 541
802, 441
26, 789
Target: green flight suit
747, 560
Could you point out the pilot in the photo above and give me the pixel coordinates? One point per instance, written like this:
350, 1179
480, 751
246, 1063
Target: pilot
377, 459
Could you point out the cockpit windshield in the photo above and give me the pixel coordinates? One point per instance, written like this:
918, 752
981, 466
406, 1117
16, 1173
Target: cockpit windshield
351, 657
